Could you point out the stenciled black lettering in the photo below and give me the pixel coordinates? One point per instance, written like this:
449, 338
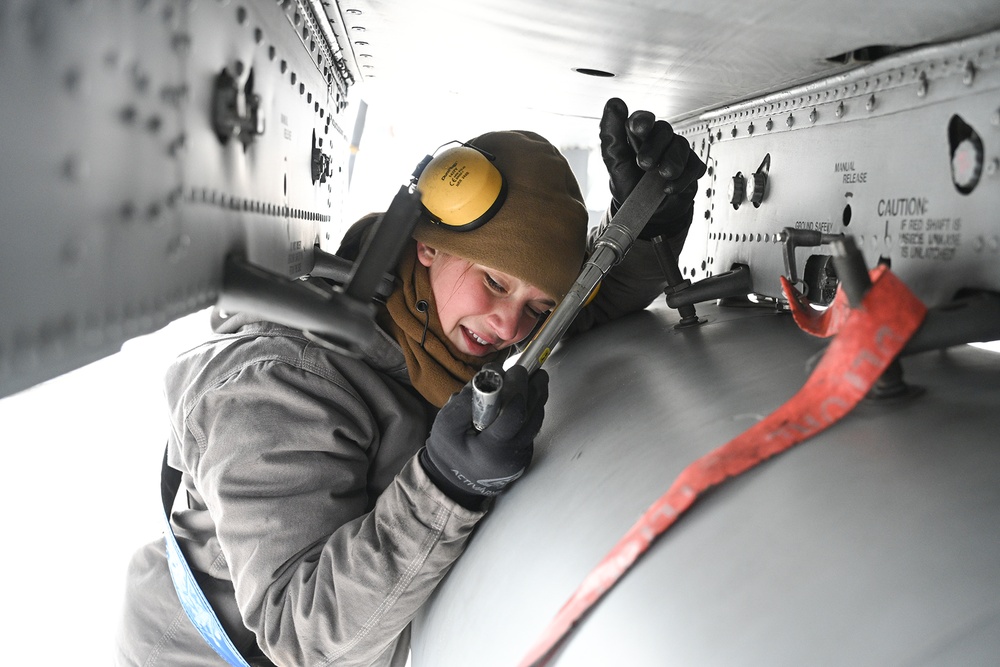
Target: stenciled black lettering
902, 206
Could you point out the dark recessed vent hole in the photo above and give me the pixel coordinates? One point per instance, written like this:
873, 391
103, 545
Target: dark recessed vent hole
865, 54
593, 72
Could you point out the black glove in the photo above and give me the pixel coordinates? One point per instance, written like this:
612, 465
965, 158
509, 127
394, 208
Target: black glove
469, 465
633, 144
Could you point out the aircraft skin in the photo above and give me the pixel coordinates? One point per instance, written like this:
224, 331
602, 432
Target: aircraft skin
162, 156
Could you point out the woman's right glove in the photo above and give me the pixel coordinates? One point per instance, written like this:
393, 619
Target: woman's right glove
470, 466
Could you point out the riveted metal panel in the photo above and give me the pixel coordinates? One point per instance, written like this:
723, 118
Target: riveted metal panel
867, 154
119, 199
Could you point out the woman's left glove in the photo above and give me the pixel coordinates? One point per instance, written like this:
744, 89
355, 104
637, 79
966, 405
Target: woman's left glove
634, 144
469, 465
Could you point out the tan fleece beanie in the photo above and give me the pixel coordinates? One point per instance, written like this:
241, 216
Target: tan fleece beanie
540, 232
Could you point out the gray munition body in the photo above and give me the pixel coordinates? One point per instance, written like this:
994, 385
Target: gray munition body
874, 543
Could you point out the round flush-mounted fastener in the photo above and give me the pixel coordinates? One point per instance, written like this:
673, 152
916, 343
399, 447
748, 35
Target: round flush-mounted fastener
75, 169
128, 115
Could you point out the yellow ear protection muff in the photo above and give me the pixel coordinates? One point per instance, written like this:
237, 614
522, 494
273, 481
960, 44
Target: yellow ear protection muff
460, 187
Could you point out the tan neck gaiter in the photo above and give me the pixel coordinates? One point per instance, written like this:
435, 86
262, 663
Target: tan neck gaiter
437, 370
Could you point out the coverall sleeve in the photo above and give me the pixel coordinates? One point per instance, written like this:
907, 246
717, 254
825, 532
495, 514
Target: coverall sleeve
630, 286
320, 577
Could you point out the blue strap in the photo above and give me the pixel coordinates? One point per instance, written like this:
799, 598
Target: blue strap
192, 599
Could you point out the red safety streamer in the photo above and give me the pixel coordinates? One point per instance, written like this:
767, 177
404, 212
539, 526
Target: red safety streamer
823, 323
869, 339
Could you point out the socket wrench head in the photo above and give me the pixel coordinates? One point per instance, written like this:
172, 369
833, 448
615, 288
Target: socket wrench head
486, 386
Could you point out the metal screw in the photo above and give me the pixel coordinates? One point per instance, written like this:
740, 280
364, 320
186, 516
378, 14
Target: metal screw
812, 116
178, 247
128, 115
790, 120
72, 251
922, 85
768, 125
177, 145
74, 169
181, 43
992, 167
839, 111
968, 73
750, 128
126, 212
72, 80
870, 104
174, 95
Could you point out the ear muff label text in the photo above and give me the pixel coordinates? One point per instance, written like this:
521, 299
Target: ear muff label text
455, 174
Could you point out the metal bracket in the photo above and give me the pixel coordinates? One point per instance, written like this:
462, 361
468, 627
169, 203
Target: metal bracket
345, 324
342, 317
682, 294
236, 113
320, 161
792, 238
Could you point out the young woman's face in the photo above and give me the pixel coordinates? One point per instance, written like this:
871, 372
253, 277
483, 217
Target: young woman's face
481, 309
